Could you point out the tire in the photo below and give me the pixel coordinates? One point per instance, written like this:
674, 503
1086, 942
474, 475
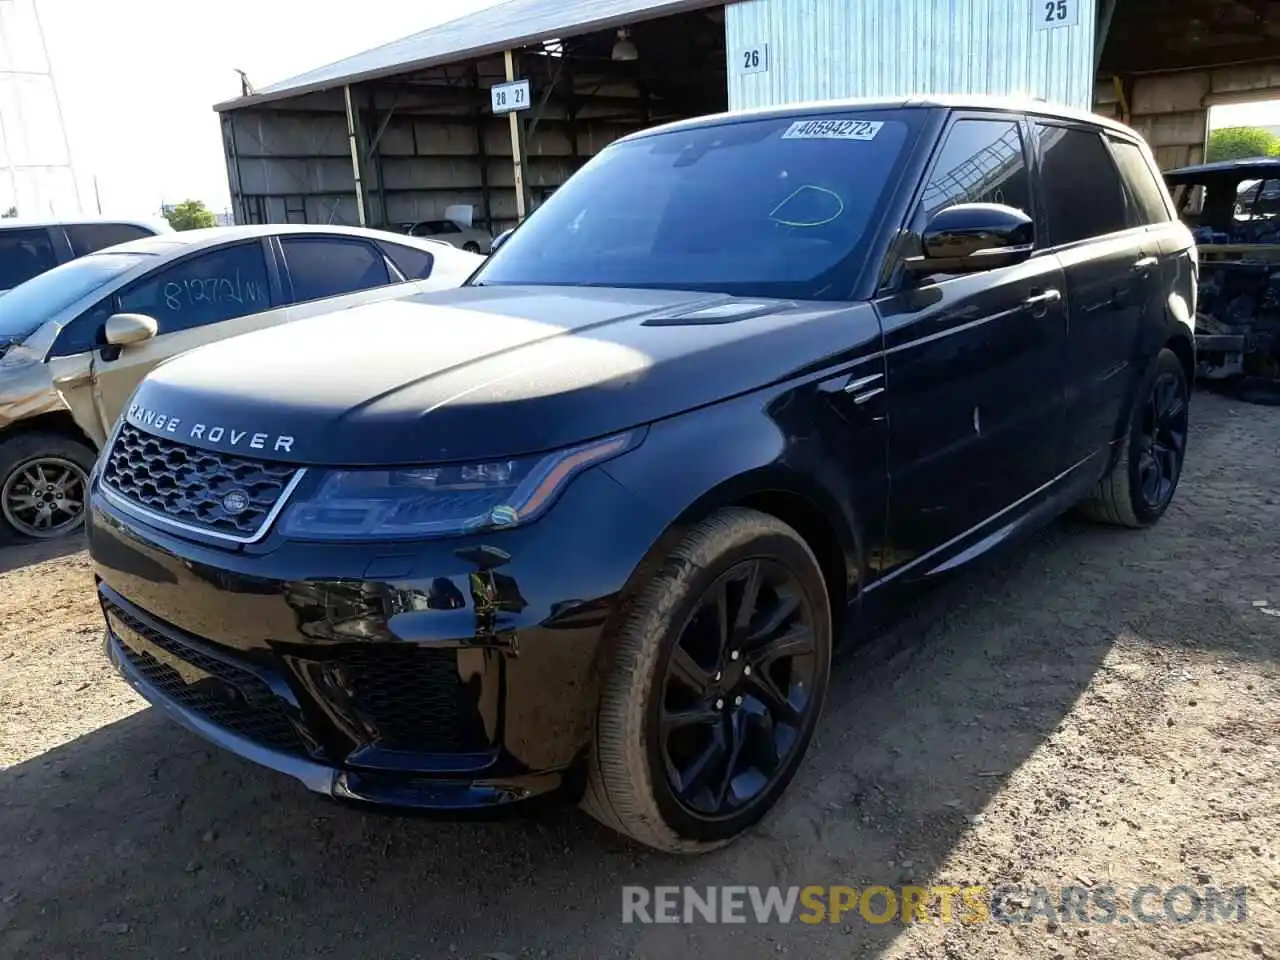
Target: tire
1122, 498
30, 455
471, 246
631, 764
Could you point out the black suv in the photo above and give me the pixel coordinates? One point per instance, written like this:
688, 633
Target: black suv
595, 521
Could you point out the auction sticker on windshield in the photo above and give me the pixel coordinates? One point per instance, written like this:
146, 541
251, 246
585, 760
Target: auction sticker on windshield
833, 130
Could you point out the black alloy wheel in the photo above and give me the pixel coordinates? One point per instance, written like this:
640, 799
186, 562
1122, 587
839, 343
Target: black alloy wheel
716, 673
1162, 441
1140, 485
738, 690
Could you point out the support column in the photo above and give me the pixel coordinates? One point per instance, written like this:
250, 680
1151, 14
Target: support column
517, 146
353, 140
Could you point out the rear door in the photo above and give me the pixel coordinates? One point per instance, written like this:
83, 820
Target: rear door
204, 297
973, 361
1111, 265
317, 267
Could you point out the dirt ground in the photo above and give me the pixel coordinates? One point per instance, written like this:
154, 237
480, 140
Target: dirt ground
1093, 708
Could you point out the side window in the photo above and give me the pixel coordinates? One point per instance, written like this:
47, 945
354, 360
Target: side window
85, 332
413, 263
327, 266
24, 254
446, 226
981, 161
210, 287
1083, 197
91, 237
1141, 181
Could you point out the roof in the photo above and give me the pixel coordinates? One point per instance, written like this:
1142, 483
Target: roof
1246, 165
1019, 105
16, 223
210, 236
505, 26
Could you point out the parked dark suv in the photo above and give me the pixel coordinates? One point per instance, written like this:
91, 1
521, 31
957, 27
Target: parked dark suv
596, 521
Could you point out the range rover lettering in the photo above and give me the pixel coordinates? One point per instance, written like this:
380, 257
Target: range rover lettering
594, 523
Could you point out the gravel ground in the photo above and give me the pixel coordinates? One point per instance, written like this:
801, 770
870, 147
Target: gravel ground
1094, 707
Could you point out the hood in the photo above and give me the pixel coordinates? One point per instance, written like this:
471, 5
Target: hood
481, 372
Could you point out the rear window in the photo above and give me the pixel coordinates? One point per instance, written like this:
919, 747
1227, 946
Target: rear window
1142, 183
91, 237
1082, 191
24, 254
769, 208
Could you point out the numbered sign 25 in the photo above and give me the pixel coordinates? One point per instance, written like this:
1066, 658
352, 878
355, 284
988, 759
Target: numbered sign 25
754, 59
1047, 14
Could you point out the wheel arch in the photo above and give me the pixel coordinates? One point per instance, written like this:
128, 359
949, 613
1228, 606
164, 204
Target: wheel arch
57, 422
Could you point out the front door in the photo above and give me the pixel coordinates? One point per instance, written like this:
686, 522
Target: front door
974, 363
197, 300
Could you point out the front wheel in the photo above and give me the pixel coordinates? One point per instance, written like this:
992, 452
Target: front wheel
718, 674
44, 481
1140, 486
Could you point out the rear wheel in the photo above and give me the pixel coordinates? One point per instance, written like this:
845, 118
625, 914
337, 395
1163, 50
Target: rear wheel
471, 246
1140, 486
719, 672
44, 479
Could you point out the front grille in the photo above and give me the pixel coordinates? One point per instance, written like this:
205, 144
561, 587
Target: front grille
243, 703
188, 484
412, 698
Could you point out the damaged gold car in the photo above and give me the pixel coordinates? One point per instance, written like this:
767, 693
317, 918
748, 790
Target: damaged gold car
75, 341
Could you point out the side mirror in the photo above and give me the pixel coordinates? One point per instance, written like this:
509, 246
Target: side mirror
500, 239
124, 329
969, 237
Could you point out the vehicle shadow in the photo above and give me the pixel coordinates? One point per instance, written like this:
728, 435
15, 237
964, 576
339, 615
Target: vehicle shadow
140, 838
14, 556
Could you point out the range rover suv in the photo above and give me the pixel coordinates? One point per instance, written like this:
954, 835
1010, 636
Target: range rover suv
596, 521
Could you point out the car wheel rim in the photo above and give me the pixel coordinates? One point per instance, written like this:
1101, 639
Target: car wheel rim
44, 498
738, 690
1163, 440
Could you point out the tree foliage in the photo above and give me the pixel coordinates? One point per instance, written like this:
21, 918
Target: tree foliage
1238, 143
189, 215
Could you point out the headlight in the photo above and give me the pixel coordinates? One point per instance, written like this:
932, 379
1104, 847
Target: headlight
419, 502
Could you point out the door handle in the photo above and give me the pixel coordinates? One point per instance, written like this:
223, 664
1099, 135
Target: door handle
1039, 303
1145, 265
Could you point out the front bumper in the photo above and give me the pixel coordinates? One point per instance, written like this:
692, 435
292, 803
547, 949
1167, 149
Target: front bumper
443, 675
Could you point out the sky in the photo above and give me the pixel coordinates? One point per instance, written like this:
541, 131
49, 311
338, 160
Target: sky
138, 79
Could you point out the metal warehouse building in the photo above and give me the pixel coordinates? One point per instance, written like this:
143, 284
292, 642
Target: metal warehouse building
406, 130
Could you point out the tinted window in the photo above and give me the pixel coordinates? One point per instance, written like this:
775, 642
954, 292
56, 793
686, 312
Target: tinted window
982, 161
1083, 197
89, 237
327, 266
779, 207
23, 255
208, 288
413, 263
1142, 184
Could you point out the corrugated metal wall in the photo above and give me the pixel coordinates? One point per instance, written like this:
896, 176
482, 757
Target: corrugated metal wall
293, 165
820, 49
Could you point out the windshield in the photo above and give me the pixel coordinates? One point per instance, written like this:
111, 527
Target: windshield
28, 305
766, 208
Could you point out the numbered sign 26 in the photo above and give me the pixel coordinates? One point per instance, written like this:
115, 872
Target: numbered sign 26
1047, 14
754, 58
